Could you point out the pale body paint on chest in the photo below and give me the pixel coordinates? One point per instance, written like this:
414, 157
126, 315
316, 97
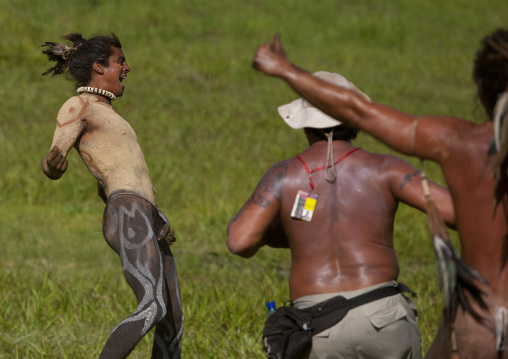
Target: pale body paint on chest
109, 147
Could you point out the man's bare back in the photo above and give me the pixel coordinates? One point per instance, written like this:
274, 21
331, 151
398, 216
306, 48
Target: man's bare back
106, 143
341, 244
348, 244
337, 251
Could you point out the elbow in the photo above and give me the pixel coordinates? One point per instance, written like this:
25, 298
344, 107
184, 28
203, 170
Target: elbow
451, 226
232, 242
450, 223
238, 244
238, 249
449, 218
233, 245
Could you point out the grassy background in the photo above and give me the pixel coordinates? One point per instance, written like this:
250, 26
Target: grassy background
209, 129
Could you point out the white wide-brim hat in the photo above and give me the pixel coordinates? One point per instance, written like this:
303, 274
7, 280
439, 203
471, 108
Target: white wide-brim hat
300, 113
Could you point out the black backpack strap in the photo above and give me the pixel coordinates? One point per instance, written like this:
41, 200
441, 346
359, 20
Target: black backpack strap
330, 312
405, 289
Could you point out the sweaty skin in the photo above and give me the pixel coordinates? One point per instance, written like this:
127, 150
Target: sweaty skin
460, 148
348, 244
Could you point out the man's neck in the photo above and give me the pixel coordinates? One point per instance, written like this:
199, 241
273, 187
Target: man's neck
101, 94
319, 140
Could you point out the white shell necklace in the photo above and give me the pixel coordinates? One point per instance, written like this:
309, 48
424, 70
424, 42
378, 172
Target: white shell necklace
96, 91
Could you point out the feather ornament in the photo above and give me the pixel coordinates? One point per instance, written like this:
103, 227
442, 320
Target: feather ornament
500, 141
455, 276
58, 53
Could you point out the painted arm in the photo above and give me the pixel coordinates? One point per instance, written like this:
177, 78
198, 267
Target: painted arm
406, 186
257, 223
69, 128
425, 137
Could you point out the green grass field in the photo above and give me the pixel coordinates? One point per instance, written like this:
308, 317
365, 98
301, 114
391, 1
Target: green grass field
209, 128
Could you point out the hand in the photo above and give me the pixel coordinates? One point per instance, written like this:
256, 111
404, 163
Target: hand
270, 58
56, 163
170, 237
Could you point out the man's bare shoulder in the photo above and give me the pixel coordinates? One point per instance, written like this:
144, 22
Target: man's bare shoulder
74, 101
388, 167
284, 164
72, 108
470, 140
273, 180
277, 172
377, 160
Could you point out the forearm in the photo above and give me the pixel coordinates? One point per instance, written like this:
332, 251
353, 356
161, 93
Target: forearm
258, 219
353, 109
247, 245
444, 204
241, 243
337, 102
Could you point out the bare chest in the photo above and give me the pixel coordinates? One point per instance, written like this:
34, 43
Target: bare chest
107, 127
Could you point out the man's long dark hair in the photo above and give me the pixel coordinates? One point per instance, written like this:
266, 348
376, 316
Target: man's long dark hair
79, 58
491, 76
490, 70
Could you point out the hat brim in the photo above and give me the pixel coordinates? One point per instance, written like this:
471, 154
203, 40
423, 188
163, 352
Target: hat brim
300, 114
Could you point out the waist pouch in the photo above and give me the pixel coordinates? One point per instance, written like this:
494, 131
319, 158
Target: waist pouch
288, 331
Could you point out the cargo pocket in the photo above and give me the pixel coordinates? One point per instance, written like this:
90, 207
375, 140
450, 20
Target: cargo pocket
324, 334
385, 316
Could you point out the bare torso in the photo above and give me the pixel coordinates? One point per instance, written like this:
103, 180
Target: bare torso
107, 145
483, 235
348, 244
482, 228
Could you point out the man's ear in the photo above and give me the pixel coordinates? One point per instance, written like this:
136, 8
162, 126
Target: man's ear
98, 68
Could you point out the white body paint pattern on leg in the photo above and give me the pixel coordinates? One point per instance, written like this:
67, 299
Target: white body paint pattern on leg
140, 271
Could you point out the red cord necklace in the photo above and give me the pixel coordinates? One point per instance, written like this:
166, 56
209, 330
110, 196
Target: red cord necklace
323, 167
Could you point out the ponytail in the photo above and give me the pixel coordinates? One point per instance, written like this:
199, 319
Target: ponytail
60, 53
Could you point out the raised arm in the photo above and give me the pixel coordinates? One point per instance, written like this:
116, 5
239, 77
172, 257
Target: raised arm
425, 137
257, 223
406, 186
70, 125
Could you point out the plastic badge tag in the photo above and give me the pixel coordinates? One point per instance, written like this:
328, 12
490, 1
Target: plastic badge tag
304, 206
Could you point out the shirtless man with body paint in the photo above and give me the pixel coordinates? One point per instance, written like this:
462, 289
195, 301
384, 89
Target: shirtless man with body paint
461, 148
132, 225
347, 246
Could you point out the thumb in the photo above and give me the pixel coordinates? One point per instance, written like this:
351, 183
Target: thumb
276, 42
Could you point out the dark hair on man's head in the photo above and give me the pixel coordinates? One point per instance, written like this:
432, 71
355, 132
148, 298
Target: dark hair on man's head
491, 69
79, 58
340, 132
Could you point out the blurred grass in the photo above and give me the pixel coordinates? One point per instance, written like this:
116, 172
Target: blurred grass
209, 129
